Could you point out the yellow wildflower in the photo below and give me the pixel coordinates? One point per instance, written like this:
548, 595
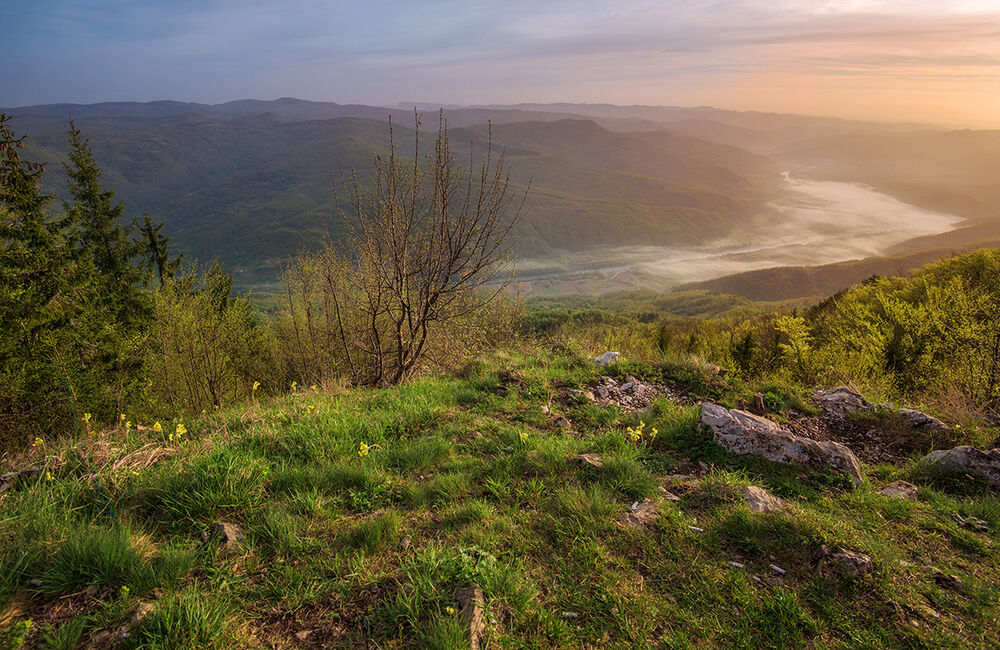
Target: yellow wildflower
86, 418
653, 433
38, 442
121, 417
157, 427
128, 425
295, 385
524, 437
48, 476
181, 429
450, 611
310, 408
314, 387
256, 385
363, 450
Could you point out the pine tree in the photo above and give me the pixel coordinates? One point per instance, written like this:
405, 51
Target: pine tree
158, 251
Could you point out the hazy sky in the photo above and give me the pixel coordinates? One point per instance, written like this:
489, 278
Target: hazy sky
900, 60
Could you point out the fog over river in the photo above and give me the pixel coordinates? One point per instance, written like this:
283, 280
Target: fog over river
818, 223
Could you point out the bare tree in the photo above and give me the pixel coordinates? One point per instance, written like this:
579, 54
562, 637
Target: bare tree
429, 242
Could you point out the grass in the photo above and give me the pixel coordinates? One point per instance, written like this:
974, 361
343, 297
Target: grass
481, 488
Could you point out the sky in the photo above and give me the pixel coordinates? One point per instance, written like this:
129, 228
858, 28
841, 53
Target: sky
895, 60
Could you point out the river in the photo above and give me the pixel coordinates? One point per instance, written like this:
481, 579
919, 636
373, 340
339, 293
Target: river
819, 222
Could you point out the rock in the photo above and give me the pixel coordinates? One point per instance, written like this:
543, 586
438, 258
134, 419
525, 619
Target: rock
972, 523
628, 387
607, 358
850, 563
470, 611
141, 612
761, 500
642, 514
228, 534
747, 434
952, 582
585, 395
900, 490
777, 569
680, 478
302, 635
11, 480
840, 401
667, 494
593, 460
562, 422
921, 421
601, 392
980, 464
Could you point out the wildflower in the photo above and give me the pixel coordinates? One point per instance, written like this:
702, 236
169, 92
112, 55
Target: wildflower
157, 427
38, 442
653, 433
170, 437
181, 429
124, 592
524, 437
256, 385
128, 425
86, 418
295, 385
48, 476
363, 450
450, 611
314, 388
310, 408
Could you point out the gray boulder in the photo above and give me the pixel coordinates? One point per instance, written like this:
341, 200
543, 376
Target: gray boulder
607, 358
747, 434
840, 401
900, 490
921, 421
975, 462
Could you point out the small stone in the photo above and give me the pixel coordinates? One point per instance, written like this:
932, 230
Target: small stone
667, 494
471, 603
570, 615
761, 500
642, 514
680, 478
35, 583
405, 543
593, 460
101, 637
737, 565
628, 386
900, 490
921, 421
952, 582
607, 358
697, 529
573, 393
777, 569
849, 563
227, 533
601, 392
302, 635
141, 612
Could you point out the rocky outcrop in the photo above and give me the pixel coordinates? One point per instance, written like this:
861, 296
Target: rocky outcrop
747, 434
984, 465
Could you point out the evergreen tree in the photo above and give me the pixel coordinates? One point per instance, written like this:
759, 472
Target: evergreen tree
158, 251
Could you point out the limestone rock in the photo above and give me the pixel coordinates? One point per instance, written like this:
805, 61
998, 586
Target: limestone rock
607, 358
747, 434
900, 490
981, 464
921, 421
840, 401
592, 460
584, 395
850, 563
470, 610
229, 535
761, 500
642, 514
